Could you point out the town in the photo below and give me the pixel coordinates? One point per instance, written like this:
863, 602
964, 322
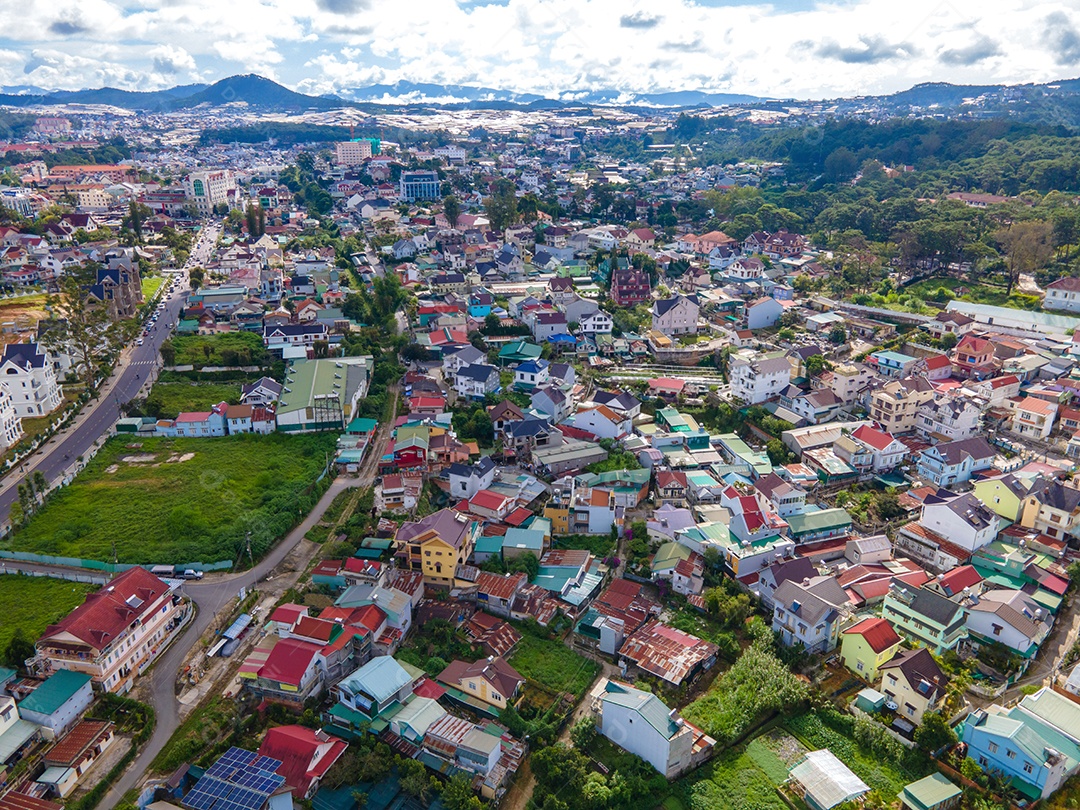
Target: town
573, 462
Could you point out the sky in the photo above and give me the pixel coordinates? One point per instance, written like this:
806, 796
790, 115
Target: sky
787, 49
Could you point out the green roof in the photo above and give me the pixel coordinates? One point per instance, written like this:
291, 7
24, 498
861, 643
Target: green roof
488, 544
520, 348
6, 674
819, 521
57, 690
646, 704
361, 425
668, 556
335, 377
528, 539
928, 793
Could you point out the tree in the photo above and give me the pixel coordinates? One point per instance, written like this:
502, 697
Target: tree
414, 779
815, 364
451, 209
934, 733
838, 334
583, 733
501, 206
457, 794
196, 275
948, 341
1028, 247
840, 165
84, 328
18, 649
133, 222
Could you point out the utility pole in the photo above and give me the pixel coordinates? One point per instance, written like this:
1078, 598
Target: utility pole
251, 558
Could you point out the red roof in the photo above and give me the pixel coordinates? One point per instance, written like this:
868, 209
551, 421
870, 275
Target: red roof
429, 689
22, 801
963, 576
667, 384
878, 633
108, 613
877, 439
937, 361
317, 629
501, 587
306, 754
288, 661
288, 614
486, 499
518, 516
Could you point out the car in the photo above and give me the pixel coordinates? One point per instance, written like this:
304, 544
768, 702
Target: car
139, 342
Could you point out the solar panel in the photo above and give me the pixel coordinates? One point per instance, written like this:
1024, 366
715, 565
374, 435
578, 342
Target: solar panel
239, 780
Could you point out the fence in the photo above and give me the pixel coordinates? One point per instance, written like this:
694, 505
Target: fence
98, 565
70, 576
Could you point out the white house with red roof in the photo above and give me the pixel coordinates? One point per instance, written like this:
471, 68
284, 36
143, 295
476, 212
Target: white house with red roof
116, 633
1033, 418
1063, 294
938, 367
305, 754
886, 450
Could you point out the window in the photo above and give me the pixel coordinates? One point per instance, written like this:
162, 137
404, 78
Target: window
992, 747
983, 762
859, 666
1028, 767
1010, 753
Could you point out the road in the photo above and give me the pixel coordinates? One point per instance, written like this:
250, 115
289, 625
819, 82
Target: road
58, 458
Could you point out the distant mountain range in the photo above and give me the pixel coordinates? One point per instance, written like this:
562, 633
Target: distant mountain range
1054, 102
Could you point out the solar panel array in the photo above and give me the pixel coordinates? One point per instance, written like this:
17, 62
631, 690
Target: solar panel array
239, 780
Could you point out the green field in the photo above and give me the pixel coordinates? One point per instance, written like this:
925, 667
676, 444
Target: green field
33, 603
734, 781
163, 500
552, 664
225, 349
166, 400
150, 286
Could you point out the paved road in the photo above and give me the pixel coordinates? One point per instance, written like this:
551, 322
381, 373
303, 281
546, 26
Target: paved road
59, 457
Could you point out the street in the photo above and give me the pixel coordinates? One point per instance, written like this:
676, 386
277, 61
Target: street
60, 455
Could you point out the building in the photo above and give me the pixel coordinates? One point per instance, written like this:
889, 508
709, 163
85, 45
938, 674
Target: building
210, 188
1033, 418
30, 378
630, 287
809, 613
10, 422
476, 381
490, 680
305, 754
895, 406
241, 779
117, 287
352, 153
1007, 617
1063, 294
282, 337
824, 782
419, 185
948, 420
115, 633
755, 379
913, 680
925, 617
436, 545
322, 394
763, 313
955, 462
935, 792
964, 519
291, 673
676, 316
58, 703
669, 654
639, 722
1049, 507
74, 753
867, 645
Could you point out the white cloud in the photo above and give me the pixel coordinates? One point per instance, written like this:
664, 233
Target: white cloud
836, 48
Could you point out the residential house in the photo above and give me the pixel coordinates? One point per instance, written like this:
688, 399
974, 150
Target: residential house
290, 675
933, 792
895, 406
261, 393
973, 358
58, 702
468, 479
915, 683
1033, 418
642, 724
886, 452
671, 487
1007, 617
1063, 294
949, 419
596, 323
666, 653
601, 422
809, 613
531, 374
755, 379
778, 495
375, 686
1051, 508
29, 376
476, 381
74, 754
1003, 494
894, 364
677, 315
964, 519
490, 680
955, 462
552, 401
630, 287
867, 645
763, 313
305, 754
927, 618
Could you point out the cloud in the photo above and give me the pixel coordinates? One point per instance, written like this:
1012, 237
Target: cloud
342, 6
68, 27
1063, 38
639, 19
982, 48
169, 59
869, 51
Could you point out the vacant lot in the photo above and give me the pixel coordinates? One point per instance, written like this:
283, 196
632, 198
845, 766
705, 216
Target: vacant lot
226, 349
33, 603
181, 500
166, 400
553, 665
150, 286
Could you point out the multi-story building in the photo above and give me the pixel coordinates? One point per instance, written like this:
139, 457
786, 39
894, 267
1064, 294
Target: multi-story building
437, 545
896, 404
1051, 508
947, 420
1063, 294
630, 287
809, 614
915, 683
30, 378
352, 153
955, 462
209, 188
116, 633
755, 378
675, 316
925, 617
1032, 417
422, 185
10, 422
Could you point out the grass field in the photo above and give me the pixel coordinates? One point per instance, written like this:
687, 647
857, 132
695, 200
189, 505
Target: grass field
169, 399
150, 286
732, 780
225, 349
553, 665
180, 500
33, 603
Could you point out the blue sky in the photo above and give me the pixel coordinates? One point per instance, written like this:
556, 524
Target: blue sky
793, 48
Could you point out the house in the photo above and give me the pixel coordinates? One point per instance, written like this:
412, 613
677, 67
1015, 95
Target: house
292, 335
763, 313
934, 792
305, 754
669, 654
1063, 294
755, 379
964, 519
596, 323
1052, 508
548, 324
815, 407
476, 381
1007, 617
671, 487
375, 686
949, 323
925, 617
490, 680
551, 401
28, 374
74, 754
778, 495
291, 673
601, 422
436, 545
973, 358
639, 722
893, 364
867, 645
640, 238
886, 452
868, 550
895, 406
240, 778
809, 613
630, 287
914, 682
955, 462
1033, 744
948, 420
531, 374
261, 393
116, 632
677, 315
1004, 495
1033, 418
774, 574
468, 479
58, 702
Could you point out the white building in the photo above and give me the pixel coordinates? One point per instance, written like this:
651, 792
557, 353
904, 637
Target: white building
963, 519
30, 377
209, 188
10, 423
675, 316
755, 378
352, 153
948, 420
1063, 294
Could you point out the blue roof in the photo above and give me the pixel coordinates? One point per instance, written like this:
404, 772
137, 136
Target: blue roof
57, 690
380, 677
895, 357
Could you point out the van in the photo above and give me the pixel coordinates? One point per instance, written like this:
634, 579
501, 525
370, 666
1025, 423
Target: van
163, 570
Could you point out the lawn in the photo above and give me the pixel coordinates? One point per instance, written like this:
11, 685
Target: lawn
929, 292
225, 349
733, 780
164, 500
33, 603
552, 664
166, 400
150, 286
601, 545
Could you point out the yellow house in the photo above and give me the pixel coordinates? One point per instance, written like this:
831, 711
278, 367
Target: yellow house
559, 517
1003, 495
436, 545
1051, 508
914, 682
865, 646
491, 680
